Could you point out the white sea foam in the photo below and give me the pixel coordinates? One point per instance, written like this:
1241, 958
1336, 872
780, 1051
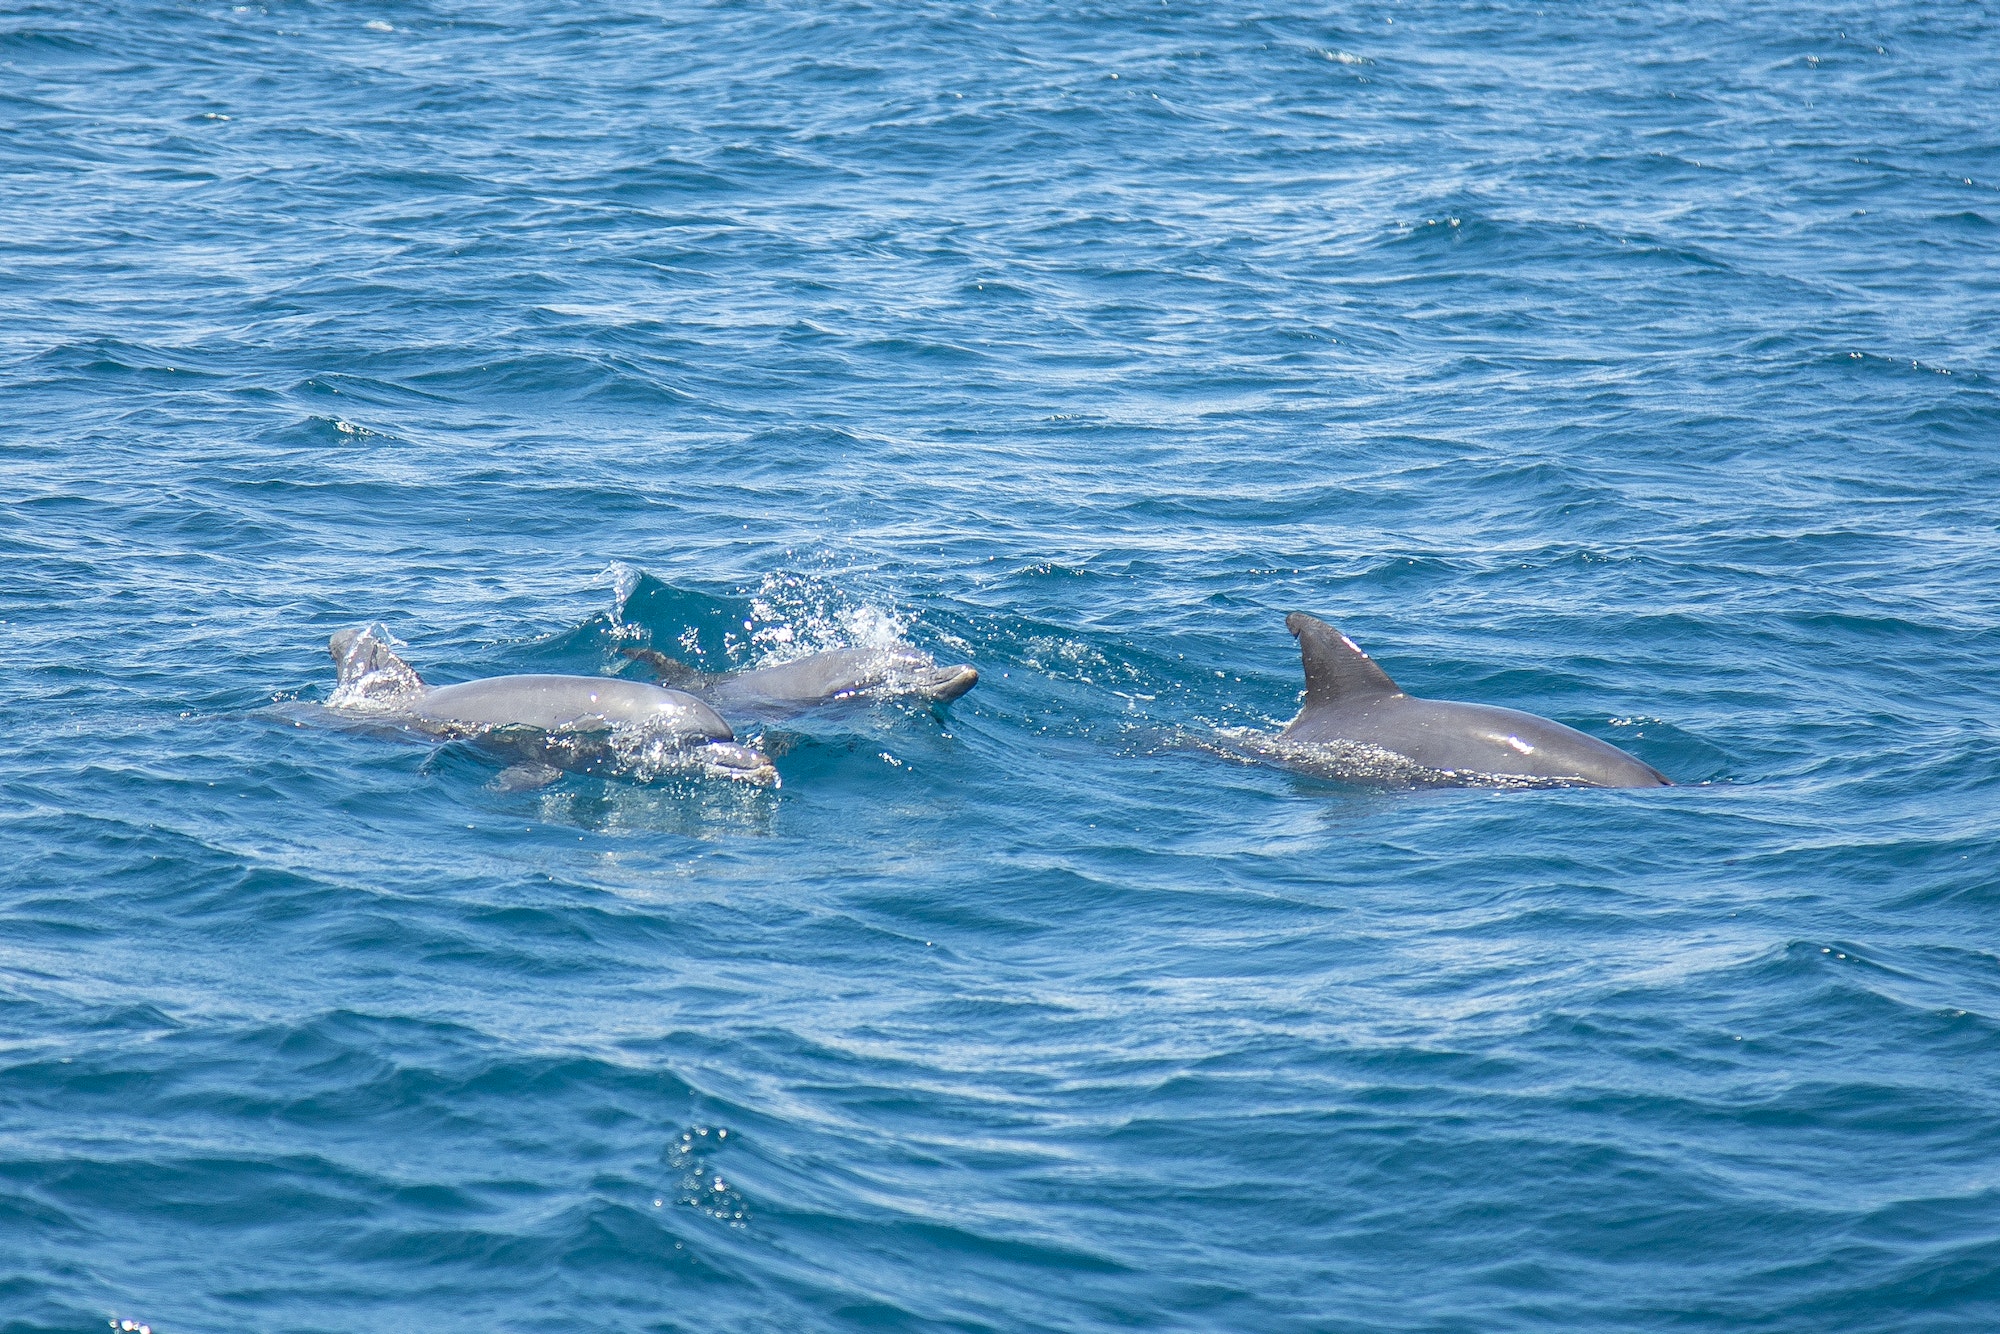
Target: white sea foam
802, 614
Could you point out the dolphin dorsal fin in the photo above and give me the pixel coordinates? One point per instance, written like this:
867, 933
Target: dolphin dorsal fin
1337, 672
370, 671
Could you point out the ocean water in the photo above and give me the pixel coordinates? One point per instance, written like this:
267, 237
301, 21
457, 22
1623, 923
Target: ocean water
1633, 365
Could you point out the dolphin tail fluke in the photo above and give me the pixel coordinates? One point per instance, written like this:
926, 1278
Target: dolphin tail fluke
1337, 671
370, 672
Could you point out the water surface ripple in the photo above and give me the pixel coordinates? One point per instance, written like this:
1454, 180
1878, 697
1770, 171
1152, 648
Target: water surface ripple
1631, 365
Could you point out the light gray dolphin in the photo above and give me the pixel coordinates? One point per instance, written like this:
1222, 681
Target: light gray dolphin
821, 678
585, 724
1352, 703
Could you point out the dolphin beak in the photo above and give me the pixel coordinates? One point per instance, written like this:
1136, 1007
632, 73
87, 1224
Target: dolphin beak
741, 764
948, 683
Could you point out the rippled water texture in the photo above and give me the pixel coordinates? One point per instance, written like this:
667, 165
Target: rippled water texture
1629, 365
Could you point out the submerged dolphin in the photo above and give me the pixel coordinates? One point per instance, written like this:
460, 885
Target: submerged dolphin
1352, 702
820, 678
585, 724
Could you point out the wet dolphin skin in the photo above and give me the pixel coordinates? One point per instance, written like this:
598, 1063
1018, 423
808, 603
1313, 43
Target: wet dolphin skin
1350, 700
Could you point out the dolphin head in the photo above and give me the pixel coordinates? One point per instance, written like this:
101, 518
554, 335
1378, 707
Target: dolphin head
911, 672
677, 733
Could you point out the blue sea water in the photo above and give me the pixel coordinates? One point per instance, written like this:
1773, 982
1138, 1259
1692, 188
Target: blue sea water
1634, 365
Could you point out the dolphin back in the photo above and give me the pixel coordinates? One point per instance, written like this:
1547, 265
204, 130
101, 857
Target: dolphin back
839, 674
671, 673
1487, 740
578, 703
546, 723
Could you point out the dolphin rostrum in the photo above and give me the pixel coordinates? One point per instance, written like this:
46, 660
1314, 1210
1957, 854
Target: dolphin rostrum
820, 678
585, 724
1351, 704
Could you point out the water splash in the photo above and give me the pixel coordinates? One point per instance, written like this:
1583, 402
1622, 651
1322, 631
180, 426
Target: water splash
804, 613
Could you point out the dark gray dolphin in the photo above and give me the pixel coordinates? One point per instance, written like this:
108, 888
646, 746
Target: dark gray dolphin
585, 724
820, 678
1350, 702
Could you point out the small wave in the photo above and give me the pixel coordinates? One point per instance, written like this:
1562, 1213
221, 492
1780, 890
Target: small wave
701, 1186
791, 613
